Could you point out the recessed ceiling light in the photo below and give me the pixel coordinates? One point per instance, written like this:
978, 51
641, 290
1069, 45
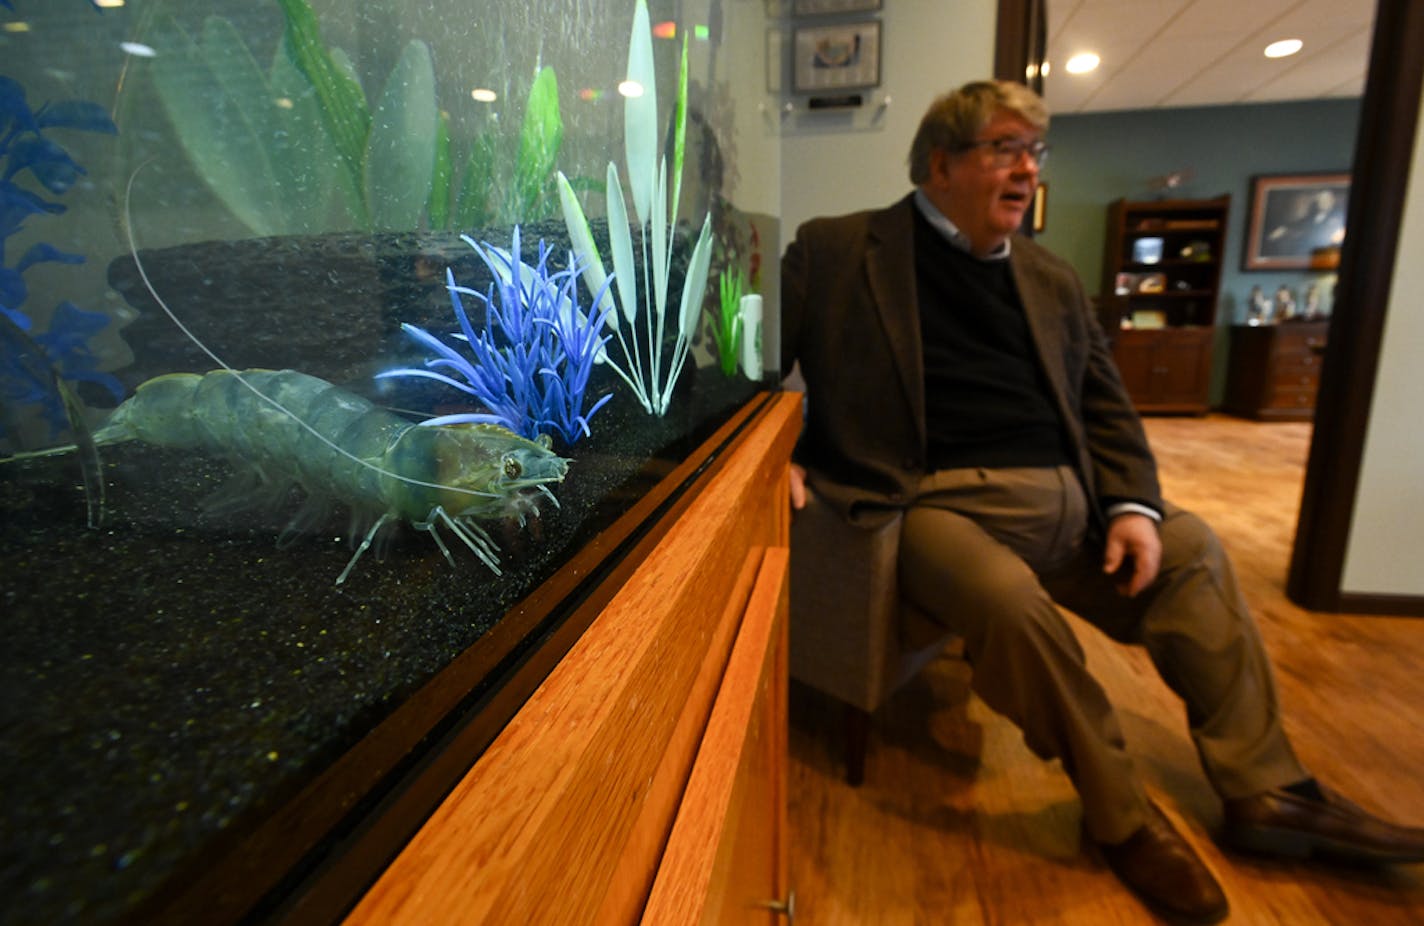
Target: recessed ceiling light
1283, 48
1082, 63
483, 95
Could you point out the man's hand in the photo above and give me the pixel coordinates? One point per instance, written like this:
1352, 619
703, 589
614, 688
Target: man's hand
1132, 538
798, 486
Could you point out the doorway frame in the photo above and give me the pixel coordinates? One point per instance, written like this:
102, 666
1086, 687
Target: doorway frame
1384, 148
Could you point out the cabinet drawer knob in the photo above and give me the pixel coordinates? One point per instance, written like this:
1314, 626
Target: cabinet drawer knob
786, 908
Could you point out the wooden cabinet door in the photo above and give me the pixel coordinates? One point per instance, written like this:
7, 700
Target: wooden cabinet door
1166, 370
1135, 353
1183, 366
725, 861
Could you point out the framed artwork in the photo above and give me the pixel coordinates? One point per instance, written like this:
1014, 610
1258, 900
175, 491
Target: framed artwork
838, 57
1292, 215
815, 7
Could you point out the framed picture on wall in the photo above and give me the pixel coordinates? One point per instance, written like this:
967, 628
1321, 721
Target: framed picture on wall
1293, 215
814, 7
839, 57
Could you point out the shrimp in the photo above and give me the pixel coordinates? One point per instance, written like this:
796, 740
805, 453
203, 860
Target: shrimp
284, 427
288, 427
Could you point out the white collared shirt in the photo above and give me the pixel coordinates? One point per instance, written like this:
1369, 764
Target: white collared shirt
941, 223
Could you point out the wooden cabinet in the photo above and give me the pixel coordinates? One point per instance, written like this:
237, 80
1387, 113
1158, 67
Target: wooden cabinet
1158, 295
644, 781
1275, 370
1166, 371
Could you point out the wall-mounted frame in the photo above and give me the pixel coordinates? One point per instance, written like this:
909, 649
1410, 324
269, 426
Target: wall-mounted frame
1292, 215
778, 50
818, 7
836, 57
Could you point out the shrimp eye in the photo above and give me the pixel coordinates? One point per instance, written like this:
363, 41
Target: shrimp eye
512, 469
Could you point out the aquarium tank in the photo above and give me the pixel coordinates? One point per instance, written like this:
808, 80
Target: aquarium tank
344, 350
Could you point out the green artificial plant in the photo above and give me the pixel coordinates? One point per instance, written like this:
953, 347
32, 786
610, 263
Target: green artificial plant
727, 324
322, 156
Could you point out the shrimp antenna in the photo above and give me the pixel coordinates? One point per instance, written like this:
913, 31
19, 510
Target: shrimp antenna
152, 291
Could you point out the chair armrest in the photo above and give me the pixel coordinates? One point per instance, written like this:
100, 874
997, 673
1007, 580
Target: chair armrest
845, 605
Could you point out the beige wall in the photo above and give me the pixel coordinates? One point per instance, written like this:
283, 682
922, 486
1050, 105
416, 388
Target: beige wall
754, 184
834, 162
1385, 551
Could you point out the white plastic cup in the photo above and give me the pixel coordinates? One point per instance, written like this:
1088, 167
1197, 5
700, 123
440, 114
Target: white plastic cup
751, 312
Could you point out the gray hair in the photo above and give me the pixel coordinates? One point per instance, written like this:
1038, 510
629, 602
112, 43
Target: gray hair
955, 119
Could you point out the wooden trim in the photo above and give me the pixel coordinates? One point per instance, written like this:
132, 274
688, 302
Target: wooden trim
1383, 152
1393, 605
1020, 45
1020, 42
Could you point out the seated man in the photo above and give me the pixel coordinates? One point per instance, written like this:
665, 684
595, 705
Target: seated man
956, 372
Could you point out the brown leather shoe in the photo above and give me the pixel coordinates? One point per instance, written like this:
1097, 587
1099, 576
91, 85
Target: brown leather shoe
1279, 822
1162, 868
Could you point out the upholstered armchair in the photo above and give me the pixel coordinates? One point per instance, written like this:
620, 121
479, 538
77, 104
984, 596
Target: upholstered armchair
852, 637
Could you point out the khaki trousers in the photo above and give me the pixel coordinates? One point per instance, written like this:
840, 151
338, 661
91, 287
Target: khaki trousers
991, 553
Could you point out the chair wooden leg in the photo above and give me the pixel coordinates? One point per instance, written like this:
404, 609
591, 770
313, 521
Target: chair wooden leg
857, 738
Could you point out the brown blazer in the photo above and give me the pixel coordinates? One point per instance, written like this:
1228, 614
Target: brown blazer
848, 315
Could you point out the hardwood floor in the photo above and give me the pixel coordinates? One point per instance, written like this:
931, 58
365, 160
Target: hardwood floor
958, 823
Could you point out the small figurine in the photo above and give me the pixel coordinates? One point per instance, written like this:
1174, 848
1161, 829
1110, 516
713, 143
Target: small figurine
1258, 309
1285, 304
1311, 302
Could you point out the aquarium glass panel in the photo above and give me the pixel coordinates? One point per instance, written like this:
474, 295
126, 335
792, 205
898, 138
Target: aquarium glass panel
332, 333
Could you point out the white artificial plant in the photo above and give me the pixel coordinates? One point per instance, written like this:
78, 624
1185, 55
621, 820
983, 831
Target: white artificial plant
647, 372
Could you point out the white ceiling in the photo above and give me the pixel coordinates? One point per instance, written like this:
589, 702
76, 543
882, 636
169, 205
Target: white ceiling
1172, 53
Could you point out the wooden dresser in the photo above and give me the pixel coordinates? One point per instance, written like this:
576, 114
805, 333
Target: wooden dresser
1275, 370
644, 781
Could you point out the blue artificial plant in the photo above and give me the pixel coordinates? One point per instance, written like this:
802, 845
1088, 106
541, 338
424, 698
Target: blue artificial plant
24, 147
529, 365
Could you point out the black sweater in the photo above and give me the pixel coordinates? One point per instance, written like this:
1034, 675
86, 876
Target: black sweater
987, 402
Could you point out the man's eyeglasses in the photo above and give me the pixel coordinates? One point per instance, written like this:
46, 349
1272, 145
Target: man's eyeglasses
1007, 151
